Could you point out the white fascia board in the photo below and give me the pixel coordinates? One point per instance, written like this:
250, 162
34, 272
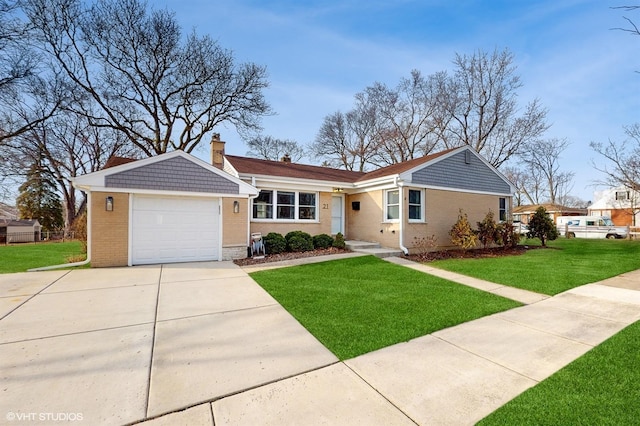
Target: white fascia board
228, 168
381, 181
162, 193
277, 182
467, 191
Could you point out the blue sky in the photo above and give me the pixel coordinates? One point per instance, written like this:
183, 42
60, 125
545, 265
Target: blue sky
319, 54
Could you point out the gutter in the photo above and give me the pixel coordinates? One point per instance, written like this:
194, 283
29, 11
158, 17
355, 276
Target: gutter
74, 264
400, 185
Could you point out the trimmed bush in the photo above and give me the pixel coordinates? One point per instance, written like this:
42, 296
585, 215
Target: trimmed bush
339, 241
299, 241
274, 243
322, 241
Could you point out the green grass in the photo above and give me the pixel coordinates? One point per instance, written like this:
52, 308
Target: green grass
354, 306
21, 257
566, 264
600, 388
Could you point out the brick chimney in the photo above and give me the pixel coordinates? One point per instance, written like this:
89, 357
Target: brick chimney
286, 158
217, 151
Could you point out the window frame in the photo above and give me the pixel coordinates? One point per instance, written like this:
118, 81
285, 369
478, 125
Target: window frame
622, 195
503, 210
296, 206
421, 205
387, 204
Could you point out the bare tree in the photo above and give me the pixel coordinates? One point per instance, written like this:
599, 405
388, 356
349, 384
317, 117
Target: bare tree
572, 201
543, 156
481, 98
20, 79
406, 127
633, 28
270, 148
163, 91
348, 140
67, 146
517, 177
622, 167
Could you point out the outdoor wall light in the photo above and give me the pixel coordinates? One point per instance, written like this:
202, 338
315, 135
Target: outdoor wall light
236, 206
109, 204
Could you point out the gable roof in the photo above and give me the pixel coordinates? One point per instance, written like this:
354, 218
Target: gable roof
172, 172
256, 166
435, 170
396, 169
114, 161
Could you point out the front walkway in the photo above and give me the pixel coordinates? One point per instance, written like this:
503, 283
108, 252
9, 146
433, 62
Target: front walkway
523, 296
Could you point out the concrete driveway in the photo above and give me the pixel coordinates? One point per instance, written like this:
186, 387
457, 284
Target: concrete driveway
119, 345
187, 344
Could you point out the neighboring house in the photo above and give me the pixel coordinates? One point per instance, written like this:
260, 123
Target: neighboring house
176, 208
524, 213
19, 231
620, 204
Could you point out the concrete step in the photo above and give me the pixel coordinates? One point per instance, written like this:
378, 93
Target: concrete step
372, 248
358, 245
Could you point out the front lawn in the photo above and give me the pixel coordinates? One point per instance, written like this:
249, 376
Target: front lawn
566, 264
357, 305
600, 388
21, 257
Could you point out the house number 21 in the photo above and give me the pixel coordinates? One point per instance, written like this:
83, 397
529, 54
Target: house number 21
325, 206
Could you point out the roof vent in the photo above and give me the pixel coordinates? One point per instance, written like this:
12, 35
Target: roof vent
286, 158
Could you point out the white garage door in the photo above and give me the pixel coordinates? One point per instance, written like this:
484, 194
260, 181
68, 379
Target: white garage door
174, 229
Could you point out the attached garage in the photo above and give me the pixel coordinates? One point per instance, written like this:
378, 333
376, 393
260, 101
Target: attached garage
165, 209
174, 229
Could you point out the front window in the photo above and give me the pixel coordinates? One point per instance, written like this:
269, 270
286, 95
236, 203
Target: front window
503, 209
415, 205
393, 205
307, 205
285, 205
263, 205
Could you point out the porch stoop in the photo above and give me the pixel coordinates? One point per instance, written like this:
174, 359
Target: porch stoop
372, 248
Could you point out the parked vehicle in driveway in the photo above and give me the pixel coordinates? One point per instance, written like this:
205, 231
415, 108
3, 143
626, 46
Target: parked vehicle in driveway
521, 228
589, 227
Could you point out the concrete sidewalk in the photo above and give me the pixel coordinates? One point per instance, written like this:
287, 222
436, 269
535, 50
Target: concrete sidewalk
203, 344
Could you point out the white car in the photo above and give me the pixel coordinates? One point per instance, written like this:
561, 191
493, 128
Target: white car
521, 228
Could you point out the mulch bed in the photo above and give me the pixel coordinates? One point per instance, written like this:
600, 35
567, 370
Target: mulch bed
472, 254
425, 257
288, 256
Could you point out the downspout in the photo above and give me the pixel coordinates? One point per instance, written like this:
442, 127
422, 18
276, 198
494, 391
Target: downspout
74, 264
400, 186
249, 212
